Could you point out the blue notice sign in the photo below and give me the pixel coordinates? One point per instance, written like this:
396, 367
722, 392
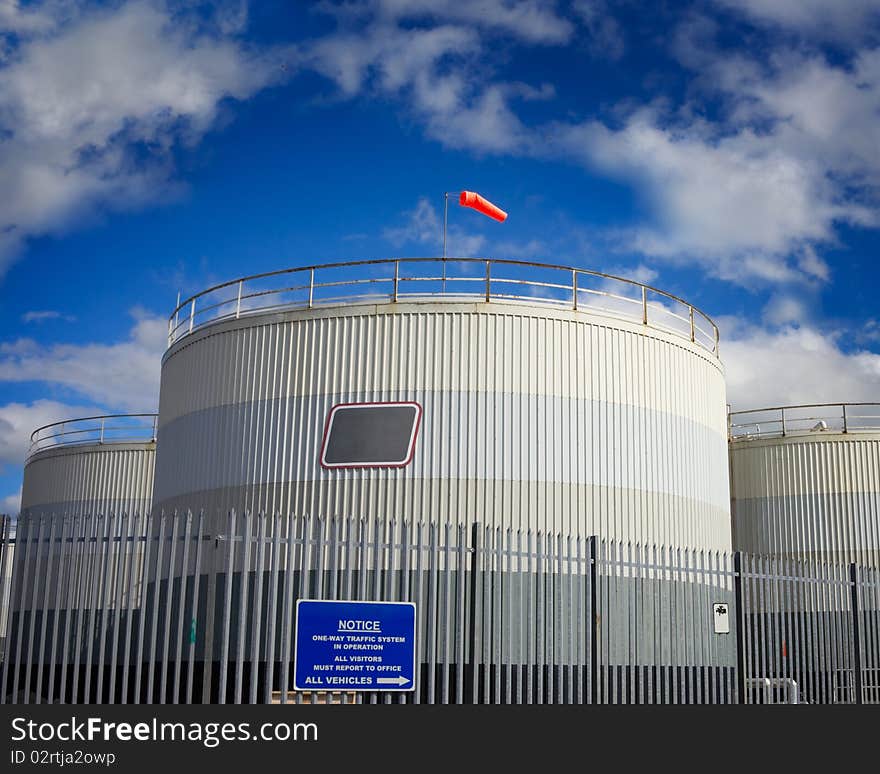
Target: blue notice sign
354, 646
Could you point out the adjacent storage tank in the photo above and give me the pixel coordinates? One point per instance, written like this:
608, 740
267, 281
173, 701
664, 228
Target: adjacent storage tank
805, 482
87, 490
497, 392
91, 465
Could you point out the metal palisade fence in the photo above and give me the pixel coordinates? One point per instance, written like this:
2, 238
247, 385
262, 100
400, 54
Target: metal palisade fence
177, 608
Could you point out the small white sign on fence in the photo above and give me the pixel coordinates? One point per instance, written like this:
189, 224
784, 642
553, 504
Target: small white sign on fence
721, 611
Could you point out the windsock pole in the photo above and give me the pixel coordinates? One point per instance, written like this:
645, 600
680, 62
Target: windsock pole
445, 220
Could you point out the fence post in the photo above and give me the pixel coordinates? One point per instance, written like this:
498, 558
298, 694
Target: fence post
594, 620
857, 649
474, 619
740, 625
488, 282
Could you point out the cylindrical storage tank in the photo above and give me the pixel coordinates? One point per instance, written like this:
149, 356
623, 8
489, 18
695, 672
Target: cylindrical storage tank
805, 482
459, 392
92, 465
547, 398
87, 490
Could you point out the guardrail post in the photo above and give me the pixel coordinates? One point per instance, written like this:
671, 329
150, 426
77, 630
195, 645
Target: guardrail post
691, 316
857, 649
783, 421
238, 301
740, 625
593, 545
843, 406
475, 620
574, 290
717, 341
397, 279
192, 314
488, 281
102, 431
644, 305
311, 287
170, 330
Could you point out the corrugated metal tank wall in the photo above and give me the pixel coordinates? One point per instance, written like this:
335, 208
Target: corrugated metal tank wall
808, 496
90, 479
533, 417
70, 482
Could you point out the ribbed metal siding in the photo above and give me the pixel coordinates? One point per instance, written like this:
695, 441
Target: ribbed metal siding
552, 420
90, 479
808, 497
75, 482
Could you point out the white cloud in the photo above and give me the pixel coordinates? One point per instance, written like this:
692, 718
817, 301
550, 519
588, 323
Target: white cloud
809, 108
870, 331
394, 57
533, 21
11, 504
428, 69
122, 375
424, 226
834, 19
92, 109
24, 21
758, 191
605, 39
785, 309
19, 420
637, 272
736, 204
794, 364
522, 251
41, 315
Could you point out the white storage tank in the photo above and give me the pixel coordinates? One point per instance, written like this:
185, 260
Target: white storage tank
805, 482
91, 465
500, 392
87, 490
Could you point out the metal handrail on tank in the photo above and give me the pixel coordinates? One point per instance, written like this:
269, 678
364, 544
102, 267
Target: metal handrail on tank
452, 279
102, 429
804, 419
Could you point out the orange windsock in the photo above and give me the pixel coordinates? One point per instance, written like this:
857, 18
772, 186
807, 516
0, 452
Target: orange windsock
478, 203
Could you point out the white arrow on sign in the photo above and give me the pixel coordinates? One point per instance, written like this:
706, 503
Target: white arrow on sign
400, 680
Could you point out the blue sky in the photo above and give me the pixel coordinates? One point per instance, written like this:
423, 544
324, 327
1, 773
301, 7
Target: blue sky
727, 151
